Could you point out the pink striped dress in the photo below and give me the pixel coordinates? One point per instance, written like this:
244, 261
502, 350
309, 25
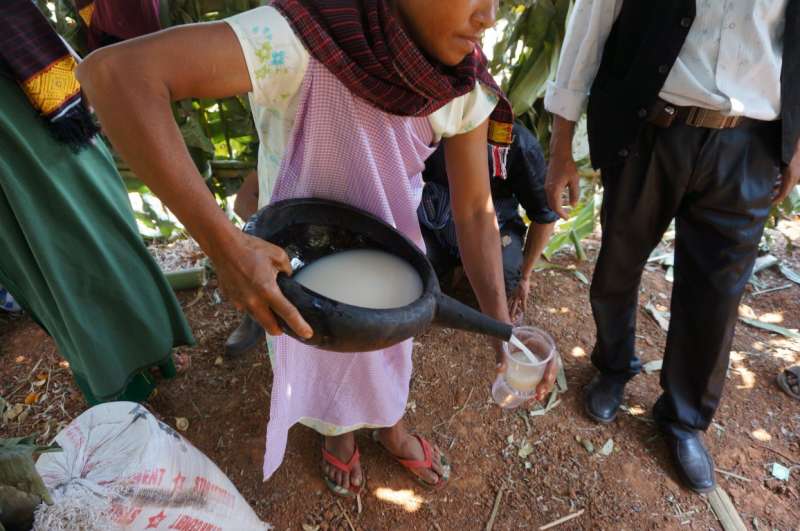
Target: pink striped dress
344, 149
338, 147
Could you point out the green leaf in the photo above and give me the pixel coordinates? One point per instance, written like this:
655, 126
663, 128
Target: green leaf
653, 366
582, 222
27, 444
580, 276
561, 380
579, 252
545, 266
607, 448
771, 327
789, 273
195, 137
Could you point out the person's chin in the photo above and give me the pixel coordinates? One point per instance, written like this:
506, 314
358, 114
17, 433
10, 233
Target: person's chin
454, 58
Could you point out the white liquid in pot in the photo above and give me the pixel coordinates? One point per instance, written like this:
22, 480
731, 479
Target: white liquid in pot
364, 277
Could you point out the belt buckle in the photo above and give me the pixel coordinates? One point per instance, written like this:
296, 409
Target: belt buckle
731, 121
700, 117
696, 117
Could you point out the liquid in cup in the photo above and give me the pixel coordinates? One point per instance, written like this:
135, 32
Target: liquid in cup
519, 382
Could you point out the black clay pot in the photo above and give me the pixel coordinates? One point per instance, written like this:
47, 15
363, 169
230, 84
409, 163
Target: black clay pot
309, 229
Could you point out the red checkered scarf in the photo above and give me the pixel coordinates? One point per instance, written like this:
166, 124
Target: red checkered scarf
363, 44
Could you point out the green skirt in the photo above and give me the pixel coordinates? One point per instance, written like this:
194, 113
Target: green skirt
73, 258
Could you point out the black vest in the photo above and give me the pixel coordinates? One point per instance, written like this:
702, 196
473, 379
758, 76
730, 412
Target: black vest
644, 43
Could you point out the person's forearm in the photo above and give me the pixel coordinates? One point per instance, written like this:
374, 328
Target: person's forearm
528, 257
136, 116
561, 138
479, 245
246, 203
536, 240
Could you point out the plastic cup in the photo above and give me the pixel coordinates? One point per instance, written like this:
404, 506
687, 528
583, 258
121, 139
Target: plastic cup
518, 383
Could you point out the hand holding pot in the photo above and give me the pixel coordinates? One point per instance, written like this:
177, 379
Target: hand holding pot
247, 269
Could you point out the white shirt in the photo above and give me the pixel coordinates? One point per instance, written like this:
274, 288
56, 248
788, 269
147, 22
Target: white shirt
277, 62
730, 62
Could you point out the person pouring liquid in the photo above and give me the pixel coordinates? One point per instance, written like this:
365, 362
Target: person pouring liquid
350, 97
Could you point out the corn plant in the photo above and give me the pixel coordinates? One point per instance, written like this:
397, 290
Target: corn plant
525, 60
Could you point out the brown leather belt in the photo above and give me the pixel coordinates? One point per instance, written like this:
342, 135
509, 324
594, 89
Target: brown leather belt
664, 114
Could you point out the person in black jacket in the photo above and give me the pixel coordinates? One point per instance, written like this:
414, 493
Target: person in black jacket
693, 115
521, 248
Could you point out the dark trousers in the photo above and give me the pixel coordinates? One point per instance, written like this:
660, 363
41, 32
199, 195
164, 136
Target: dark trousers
512, 240
717, 185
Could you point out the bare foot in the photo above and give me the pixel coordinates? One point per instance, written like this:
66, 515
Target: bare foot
342, 447
401, 444
183, 362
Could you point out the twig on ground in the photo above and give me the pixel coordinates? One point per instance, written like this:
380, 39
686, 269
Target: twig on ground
25, 381
495, 508
777, 452
197, 409
196, 298
524, 416
562, 520
49, 375
770, 290
731, 474
346, 516
726, 512
459, 410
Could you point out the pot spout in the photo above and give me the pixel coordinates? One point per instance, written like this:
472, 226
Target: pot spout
452, 314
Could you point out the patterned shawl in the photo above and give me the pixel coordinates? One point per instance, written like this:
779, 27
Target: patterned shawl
42, 64
363, 43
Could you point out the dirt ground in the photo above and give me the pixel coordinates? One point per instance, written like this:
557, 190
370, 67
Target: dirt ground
226, 403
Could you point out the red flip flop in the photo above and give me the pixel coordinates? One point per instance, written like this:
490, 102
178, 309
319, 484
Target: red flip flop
332, 460
426, 463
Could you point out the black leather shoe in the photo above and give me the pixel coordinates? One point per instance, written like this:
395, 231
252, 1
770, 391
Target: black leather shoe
245, 338
694, 463
602, 398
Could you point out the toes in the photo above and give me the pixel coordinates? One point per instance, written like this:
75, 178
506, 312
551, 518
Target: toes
438, 466
429, 476
356, 477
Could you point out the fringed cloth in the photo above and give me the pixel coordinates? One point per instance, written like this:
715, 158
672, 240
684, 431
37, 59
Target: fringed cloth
41, 63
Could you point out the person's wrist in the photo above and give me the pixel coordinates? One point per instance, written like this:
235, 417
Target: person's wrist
561, 152
223, 242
